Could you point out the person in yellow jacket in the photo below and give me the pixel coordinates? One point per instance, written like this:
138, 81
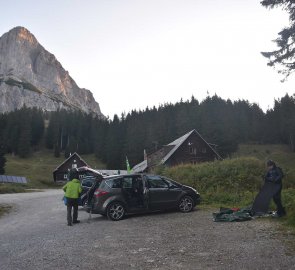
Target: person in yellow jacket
72, 193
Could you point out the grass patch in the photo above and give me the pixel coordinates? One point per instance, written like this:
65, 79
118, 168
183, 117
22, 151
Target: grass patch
281, 154
232, 181
12, 188
4, 209
288, 197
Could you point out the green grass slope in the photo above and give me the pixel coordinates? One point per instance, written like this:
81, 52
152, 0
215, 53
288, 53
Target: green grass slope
229, 182
4, 209
38, 169
281, 154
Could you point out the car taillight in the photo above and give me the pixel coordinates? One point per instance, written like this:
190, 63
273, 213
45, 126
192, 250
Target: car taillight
99, 193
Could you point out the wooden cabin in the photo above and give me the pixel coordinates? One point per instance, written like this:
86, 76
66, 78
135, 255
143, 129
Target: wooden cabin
189, 148
61, 172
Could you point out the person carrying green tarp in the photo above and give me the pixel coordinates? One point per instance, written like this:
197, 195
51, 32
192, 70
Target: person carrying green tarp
270, 190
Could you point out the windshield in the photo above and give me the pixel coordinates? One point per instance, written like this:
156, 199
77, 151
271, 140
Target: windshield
171, 182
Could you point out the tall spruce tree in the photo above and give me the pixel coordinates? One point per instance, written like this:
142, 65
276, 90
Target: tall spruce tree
2, 159
53, 130
284, 56
114, 144
24, 142
37, 126
56, 150
283, 117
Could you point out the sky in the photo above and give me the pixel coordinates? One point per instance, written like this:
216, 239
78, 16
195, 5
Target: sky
133, 54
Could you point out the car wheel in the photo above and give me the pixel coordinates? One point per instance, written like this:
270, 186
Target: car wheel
186, 204
115, 211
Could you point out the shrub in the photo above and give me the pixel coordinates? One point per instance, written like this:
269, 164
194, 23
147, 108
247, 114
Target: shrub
221, 181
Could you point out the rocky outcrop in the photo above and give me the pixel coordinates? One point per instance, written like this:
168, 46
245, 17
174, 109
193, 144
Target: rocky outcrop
31, 76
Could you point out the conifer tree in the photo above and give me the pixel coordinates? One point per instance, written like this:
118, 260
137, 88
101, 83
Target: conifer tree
37, 126
2, 159
24, 142
284, 56
56, 150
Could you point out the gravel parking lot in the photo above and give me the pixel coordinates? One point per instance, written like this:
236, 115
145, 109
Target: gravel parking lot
35, 236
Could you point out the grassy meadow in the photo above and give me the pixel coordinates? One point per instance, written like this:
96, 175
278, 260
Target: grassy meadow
4, 209
38, 170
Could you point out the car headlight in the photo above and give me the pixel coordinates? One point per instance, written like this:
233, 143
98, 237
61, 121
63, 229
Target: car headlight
195, 190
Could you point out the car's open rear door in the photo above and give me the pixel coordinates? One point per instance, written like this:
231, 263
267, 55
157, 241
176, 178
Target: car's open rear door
146, 194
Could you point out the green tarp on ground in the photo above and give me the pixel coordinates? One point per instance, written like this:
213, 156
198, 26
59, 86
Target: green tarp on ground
230, 215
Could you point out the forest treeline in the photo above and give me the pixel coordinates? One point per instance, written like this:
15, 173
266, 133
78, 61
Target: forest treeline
221, 122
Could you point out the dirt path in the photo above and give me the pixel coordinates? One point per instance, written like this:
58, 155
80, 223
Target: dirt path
35, 236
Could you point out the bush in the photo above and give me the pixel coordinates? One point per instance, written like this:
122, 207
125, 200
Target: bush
12, 188
288, 198
227, 181
4, 209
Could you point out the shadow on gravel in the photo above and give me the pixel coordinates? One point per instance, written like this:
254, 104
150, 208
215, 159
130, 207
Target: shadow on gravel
157, 214
97, 218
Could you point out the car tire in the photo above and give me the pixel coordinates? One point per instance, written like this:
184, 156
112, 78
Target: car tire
115, 211
186, 204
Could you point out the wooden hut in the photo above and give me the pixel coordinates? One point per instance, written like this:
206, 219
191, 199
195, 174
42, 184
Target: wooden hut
189, 148
61, 172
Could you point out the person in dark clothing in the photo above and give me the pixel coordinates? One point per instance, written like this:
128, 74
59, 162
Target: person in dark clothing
72, 193
138, 191
274, 175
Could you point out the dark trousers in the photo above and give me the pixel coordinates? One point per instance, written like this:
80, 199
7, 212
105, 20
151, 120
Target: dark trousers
278, 201
72, 203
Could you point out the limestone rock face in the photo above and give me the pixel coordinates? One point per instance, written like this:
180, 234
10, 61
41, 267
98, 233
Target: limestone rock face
31, 76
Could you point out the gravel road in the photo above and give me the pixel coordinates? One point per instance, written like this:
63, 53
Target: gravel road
35, 236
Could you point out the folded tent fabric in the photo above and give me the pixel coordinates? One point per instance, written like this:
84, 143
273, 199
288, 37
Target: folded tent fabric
260, 206
263, 198
234, 214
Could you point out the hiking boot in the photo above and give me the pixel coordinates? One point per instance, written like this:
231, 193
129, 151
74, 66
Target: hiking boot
70, 224
76, 221
281, 212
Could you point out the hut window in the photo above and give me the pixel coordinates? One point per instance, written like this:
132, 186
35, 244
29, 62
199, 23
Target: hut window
74, 166
192, 150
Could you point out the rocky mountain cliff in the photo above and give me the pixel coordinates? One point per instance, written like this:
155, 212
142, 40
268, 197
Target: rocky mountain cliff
31, 76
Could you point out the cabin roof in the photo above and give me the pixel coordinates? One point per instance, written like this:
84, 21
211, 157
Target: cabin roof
140, 167
70, 157
178, 142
